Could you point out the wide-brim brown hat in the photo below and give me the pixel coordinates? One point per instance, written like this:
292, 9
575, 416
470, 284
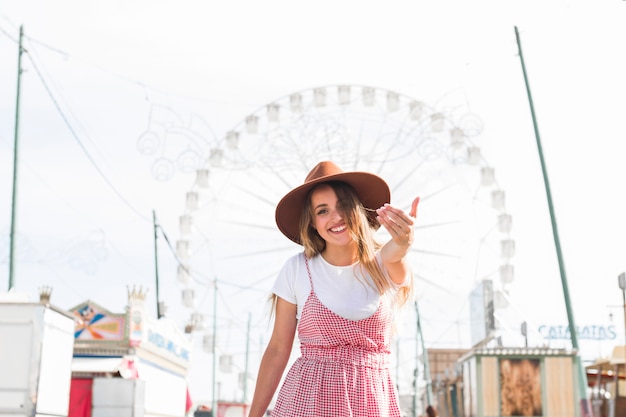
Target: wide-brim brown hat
372, 190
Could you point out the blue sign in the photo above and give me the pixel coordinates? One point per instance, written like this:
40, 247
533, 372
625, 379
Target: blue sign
162, 342
591, 332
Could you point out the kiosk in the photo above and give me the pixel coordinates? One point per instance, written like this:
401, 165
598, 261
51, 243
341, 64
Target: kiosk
36, 342
607, 380
128, 364
519, 382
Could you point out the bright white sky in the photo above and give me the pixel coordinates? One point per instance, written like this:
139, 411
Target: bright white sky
84, 224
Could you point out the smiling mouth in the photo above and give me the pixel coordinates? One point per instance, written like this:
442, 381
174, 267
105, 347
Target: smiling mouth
338, 229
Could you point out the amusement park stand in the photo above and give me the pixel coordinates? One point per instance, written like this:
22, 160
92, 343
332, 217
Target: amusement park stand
607, 378
519, 381
128, 364
36, 342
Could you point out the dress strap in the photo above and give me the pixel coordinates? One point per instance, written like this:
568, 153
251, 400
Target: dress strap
308, 271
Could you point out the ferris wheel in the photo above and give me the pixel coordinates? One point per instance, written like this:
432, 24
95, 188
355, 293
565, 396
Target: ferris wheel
463, 231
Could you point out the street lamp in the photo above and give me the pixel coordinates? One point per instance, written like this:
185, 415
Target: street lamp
621, 279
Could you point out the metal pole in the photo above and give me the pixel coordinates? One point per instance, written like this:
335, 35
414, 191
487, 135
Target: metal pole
156, 264
427, 376
398, 365
245, 376
415, 373
624, 300
582, 376
621, 280
214, 382
15, 161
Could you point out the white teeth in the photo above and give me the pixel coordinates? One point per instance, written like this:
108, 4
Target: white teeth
338, 229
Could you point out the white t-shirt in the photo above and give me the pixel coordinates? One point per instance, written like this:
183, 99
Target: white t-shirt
342, 289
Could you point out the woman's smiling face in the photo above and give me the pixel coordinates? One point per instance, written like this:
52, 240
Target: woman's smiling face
328, 217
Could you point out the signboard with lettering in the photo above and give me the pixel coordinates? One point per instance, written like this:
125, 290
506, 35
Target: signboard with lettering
589, 332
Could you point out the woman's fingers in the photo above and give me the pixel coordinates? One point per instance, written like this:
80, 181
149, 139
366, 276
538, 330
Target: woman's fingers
397, 214
413, 212
395, 221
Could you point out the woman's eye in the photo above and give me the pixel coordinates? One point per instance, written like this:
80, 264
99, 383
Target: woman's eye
322, 211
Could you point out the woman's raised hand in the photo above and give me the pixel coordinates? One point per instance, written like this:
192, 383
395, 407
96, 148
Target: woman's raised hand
398, 223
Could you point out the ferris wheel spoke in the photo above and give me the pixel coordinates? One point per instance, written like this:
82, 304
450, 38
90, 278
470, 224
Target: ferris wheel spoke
434, 253
245, 254
432, 283
436, 225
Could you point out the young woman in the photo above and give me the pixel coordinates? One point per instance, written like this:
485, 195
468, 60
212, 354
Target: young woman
339, 295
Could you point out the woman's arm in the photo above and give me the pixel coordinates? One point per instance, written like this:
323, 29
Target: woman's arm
400, 228
275, 357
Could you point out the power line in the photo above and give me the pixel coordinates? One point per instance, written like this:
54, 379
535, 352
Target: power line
83, 148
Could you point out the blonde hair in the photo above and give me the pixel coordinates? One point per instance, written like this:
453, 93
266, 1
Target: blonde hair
362, 226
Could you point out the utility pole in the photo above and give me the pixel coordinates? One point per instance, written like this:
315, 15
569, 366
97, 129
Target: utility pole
156, 264
15, 161
427, 376
582, 375
621, 280
214, 376
245, 375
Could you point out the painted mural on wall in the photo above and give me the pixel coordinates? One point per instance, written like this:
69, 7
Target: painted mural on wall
520, 387
94, 323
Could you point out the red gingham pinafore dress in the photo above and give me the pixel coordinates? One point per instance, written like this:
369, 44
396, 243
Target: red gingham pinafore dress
344, 367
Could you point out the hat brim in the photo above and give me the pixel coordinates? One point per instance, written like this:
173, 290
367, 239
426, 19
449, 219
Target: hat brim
372, 190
